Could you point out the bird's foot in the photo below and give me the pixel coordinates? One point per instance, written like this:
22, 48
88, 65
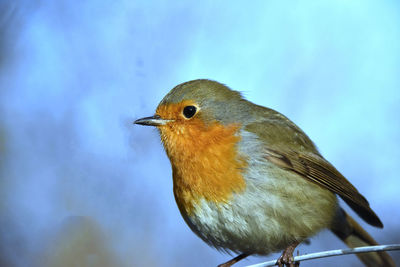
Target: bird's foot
234, 260
287, 257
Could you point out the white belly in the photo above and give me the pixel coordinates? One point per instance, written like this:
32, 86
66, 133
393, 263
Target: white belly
267, 217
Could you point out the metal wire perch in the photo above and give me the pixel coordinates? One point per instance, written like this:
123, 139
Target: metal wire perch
331, 253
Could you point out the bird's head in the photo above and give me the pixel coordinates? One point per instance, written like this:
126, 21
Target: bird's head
197, 113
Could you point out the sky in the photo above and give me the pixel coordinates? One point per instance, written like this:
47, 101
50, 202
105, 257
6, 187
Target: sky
80, 185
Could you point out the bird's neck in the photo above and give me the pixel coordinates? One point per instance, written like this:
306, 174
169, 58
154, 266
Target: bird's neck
205, 164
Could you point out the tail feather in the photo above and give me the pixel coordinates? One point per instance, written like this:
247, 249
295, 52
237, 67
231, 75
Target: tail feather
353, 235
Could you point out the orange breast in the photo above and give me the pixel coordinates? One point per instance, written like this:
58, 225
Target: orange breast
204, 160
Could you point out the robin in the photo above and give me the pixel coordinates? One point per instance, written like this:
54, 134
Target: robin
247, 180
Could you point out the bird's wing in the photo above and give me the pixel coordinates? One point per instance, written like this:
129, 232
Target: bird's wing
298, 154
320, 171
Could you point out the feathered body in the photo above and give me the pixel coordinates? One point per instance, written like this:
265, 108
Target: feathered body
247, 179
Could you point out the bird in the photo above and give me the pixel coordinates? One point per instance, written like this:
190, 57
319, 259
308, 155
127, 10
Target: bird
249, 181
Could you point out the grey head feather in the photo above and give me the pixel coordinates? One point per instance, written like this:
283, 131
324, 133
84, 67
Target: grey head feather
216, 101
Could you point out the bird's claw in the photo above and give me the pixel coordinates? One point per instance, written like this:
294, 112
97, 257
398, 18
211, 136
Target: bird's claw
286, 259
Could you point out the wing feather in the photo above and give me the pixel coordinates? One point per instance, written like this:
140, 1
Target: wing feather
318, 170
288, 147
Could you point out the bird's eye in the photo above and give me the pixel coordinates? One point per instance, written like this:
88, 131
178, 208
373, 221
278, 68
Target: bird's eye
189, 111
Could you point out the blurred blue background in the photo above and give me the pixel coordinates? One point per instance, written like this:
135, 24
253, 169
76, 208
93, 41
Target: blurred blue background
81, 186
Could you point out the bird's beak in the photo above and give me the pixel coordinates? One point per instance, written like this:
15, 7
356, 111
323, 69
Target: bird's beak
155, 120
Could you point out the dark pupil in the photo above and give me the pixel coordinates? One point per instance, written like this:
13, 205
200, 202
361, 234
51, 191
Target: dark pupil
189, 111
